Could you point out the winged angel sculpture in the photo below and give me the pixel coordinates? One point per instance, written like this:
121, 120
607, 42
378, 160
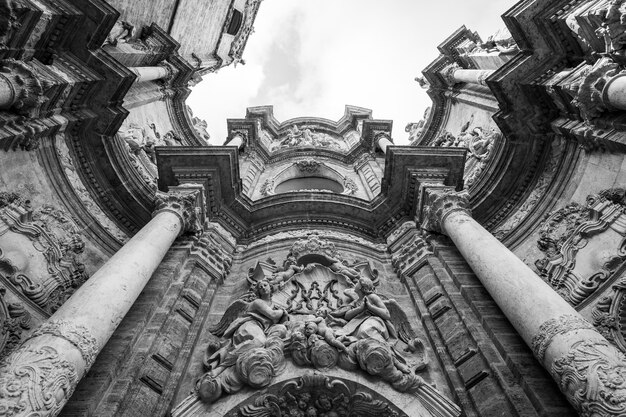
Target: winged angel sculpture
321, 317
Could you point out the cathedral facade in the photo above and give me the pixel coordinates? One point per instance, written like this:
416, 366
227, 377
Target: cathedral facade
309, 267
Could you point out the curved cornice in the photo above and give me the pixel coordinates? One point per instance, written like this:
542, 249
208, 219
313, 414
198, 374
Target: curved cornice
217, 168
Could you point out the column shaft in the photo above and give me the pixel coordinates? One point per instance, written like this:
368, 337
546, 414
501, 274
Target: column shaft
383, 142
614, 93
586, 366
145, 74
40, 376
472, 76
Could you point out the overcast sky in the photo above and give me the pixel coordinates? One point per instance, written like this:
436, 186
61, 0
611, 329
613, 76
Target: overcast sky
312, 57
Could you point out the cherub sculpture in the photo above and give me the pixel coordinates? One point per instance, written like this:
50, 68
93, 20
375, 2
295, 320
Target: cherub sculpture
248, 329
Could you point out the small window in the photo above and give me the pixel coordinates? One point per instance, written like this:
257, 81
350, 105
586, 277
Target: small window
235, 22
309, 183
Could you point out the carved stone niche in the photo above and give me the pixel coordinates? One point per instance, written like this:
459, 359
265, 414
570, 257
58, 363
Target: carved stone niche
40, 254
584, 246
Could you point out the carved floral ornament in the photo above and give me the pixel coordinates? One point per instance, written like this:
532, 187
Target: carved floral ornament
584, 246
321, 313
40, 252
438, 204
183, 205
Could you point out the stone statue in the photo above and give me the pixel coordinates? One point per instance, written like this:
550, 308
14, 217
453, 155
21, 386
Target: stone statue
248, 329
122, 32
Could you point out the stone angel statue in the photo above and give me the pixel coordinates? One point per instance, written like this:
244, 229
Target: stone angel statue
250, 349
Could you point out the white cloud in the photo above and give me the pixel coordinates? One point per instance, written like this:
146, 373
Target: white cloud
312, 57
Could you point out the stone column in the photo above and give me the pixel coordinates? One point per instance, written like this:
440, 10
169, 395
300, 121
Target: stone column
614, 92
383, 140
20, 87
453, 74
145, 74
238, 139
40, 376
587, 368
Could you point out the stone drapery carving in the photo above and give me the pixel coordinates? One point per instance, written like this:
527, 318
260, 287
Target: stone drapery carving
480, 143
40, 251
184, 205
317, 395
439, 203
79, 336
583, 246
323, 314
35, 379
593, 376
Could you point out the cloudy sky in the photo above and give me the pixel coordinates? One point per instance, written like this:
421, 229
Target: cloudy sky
312, 57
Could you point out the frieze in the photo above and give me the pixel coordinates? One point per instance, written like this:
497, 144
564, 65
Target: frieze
304, 136
555, 327
327, 234
77, 335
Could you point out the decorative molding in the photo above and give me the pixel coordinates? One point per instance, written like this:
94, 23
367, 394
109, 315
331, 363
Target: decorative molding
35, 381
438, 204
77, 335
592, 376
411, 254
555, 327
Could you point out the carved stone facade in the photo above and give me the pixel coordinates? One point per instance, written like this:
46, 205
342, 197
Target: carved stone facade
310, 267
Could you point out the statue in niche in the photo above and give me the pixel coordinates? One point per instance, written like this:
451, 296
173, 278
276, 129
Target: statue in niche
323, 314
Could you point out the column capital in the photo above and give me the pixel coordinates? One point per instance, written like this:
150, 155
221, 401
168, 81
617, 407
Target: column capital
448, 73
184, 205
439, 203
26, 87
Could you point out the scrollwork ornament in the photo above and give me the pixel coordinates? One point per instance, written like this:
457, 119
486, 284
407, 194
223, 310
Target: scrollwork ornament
77, 335
35, 381
554, 327
593, 376
439, 203
183, 205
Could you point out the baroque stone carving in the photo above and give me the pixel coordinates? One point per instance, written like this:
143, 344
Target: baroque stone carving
310, 166
589, 97
35, 379
183, 205
121, 32
410, 254
583, 245
305, 137
41, 253
554, 327
14, 321
440, 203
608, 315
593, 376
415, 130
79, 336
317, 395
480, 143
26, 87
327, 234
322, 313
613, 27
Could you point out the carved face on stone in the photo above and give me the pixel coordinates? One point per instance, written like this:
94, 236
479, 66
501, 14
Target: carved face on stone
310, 329
364, 286
264, 288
